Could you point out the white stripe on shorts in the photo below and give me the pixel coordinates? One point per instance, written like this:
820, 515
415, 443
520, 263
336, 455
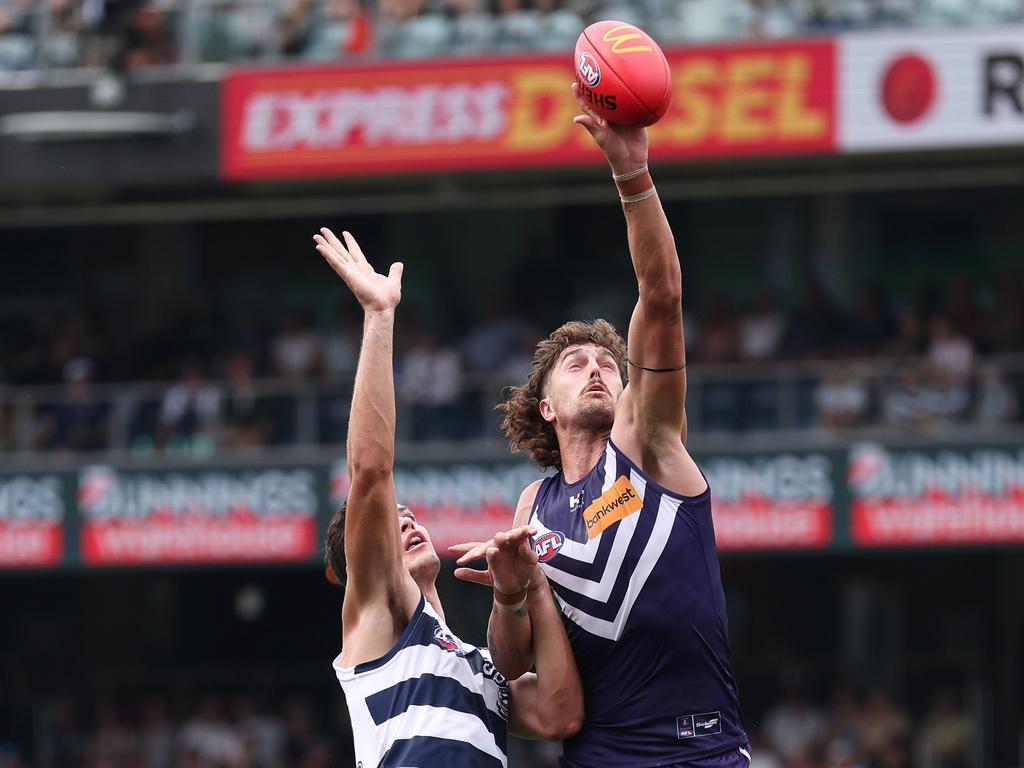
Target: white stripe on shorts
745, 754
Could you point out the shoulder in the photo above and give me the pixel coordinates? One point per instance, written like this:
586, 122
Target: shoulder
526, 499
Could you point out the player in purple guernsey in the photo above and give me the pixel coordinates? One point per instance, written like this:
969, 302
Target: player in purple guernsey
624, 529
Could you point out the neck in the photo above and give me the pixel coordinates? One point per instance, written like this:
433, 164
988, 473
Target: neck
580, 451
430, 593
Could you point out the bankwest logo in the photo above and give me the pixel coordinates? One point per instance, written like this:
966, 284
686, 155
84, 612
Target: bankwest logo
619, 501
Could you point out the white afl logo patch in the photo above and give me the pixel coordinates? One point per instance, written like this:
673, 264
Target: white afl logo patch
547, 546
589, 69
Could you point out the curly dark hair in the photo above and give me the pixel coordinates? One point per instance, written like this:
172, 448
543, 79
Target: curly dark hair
334, 545
525, 428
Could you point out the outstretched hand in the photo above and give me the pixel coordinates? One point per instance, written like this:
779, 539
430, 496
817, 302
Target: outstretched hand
373, 290
624, 146
511, 561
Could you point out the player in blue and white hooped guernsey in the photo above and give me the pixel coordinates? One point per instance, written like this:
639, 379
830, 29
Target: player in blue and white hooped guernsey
418, 696
625, 531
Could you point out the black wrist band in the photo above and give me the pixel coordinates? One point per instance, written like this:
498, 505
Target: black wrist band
656, 370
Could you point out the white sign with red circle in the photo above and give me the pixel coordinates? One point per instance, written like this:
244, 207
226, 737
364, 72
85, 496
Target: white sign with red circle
931, 89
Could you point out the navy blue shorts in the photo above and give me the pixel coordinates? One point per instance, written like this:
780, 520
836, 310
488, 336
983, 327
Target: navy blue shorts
732, 758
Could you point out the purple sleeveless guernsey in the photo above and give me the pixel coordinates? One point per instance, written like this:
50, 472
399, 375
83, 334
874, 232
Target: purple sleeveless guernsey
635, 570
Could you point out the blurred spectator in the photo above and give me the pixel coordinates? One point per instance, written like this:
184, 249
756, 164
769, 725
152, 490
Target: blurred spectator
264, 735
949, 350
344, 29
761, 329
189, 411
303, 747
717, 332
430, 381
794, 728
114, 745
945, 735
80, 420
559, 27
903, 402
296, 351
1008, 324
871, 325
945, 397
247, 419
844, 718
841, 398
473, 29
996, 401
208, 736
490, 342
815, 325
884, 723
156, 738
61, 743
909, 340
341, 344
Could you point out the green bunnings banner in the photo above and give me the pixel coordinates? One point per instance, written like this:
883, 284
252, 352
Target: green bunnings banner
867, 495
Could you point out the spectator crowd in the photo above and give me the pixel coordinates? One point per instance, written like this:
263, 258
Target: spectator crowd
849, 731
951, 359
145, 33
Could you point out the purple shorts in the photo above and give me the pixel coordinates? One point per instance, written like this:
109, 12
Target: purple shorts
738, 757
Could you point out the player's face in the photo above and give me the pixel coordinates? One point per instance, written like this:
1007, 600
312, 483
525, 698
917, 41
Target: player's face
418, 552
583, 388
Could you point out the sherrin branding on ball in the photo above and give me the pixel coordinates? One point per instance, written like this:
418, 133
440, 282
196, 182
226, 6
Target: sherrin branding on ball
622, 73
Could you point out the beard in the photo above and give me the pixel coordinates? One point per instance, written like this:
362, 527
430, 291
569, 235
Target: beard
595, 416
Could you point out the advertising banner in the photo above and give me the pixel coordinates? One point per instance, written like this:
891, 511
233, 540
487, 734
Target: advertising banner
914, 497
782, 501
466, 501
31, 521
948, 88
214, 516
495, 113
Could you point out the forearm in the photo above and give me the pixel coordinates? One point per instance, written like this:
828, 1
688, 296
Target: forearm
510, 640
371, 429
559, 693
652, 246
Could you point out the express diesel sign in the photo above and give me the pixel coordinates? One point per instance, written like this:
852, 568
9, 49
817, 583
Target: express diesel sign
512, 113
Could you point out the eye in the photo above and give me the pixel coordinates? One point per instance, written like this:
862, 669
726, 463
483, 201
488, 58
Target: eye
573, 366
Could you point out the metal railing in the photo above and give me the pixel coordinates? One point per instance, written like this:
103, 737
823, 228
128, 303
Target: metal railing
815, 400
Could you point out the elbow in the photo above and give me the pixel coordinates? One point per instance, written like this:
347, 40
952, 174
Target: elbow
369, 468
663, 300
564, 724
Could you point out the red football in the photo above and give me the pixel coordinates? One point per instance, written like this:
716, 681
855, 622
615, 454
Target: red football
622, 73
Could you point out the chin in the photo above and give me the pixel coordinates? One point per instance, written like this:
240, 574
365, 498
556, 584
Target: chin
425, 567
596, 416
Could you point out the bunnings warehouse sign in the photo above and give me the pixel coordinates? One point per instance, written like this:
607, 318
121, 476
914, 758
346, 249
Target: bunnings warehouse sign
913, 497
31, 520
866, 496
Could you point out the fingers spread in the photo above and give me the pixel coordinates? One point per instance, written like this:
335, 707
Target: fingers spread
336, 244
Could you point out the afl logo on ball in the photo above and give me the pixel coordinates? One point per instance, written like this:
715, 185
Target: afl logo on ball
547, 546
589, 71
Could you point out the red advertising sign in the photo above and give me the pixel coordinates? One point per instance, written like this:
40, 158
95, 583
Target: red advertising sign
783, 501
455, 502
766, 98
31, 521
913, 497
203, 517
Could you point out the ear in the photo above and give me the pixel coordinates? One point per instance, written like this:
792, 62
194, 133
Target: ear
547, 412
329, 573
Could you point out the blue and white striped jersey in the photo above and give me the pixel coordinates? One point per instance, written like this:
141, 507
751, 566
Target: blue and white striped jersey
431, 701
635, 570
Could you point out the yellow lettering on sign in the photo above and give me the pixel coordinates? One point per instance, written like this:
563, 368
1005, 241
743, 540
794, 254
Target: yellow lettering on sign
541, 115
619, 501
747, 97
797, 120
689, 120
621, 35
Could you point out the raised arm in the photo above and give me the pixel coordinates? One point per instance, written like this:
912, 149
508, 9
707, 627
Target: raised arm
510, 629
377, 580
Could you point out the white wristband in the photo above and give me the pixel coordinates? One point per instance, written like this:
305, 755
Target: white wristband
639, 196
630, 174
517, 608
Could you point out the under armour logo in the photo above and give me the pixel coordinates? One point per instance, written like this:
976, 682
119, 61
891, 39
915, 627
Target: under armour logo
575, 501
